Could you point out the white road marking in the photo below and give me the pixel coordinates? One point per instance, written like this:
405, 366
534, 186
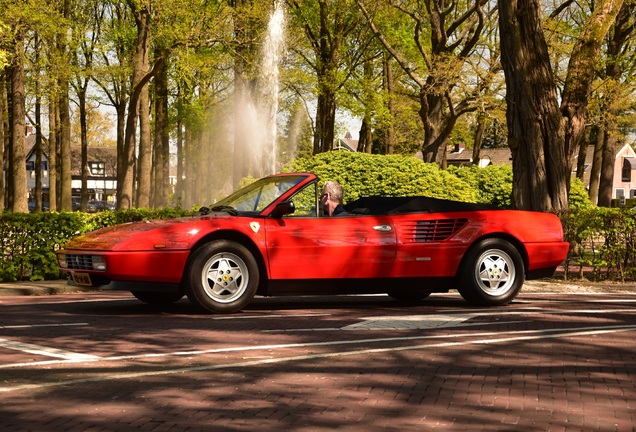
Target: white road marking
291, 345
42, 325
410, 322
540, 335
45, 351
422, 322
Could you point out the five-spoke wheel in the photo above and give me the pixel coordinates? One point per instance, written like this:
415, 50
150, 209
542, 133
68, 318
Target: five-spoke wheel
491, 274
222, 277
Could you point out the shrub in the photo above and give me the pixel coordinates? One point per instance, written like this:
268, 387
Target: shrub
361, 174
28, 241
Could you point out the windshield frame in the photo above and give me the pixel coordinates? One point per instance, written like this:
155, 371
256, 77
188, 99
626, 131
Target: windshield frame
253, 200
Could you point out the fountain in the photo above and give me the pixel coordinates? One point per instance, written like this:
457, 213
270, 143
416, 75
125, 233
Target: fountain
256, 141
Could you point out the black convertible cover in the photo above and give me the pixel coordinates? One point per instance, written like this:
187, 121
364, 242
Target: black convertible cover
379, 205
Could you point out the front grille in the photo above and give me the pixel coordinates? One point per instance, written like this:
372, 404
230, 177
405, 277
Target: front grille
433, 230
79, 262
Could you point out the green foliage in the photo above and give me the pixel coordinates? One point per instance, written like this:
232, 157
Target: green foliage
362, 174
493, 183
28, 241
579, 199
602, 240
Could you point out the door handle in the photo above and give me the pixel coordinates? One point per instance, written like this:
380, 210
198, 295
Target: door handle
382, 227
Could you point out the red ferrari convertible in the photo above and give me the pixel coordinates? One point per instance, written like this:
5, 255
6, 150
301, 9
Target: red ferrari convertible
270, 238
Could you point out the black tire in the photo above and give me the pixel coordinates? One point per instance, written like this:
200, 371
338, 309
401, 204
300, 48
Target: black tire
491, 274
408, 296
222, 277
157, 298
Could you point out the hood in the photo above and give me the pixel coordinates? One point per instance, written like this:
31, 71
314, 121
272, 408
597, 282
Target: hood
145, 235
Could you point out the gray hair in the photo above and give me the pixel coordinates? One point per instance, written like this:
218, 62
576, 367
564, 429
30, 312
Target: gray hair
334, 190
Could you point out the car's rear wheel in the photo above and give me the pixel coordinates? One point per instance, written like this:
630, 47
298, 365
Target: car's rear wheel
408, 296
222, 277
491, 274
157, 298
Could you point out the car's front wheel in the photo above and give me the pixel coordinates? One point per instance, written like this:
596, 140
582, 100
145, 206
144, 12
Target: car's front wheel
491, 274
222, 276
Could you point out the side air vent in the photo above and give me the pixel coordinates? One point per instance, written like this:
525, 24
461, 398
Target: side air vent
432, 230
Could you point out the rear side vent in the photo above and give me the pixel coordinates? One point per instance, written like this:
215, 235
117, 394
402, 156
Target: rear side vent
433, 230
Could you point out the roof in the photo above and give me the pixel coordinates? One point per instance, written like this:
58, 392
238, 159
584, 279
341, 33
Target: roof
108, 155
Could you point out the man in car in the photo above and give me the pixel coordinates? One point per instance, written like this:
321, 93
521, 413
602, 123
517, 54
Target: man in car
331, 199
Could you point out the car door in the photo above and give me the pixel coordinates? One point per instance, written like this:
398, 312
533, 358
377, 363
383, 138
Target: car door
354, 246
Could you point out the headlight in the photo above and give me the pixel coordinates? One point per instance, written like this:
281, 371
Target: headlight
61, 258
99, 262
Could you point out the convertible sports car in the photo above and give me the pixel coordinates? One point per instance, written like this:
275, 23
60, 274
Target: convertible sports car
270, 238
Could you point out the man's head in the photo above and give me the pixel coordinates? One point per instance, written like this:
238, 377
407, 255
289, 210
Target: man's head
331, 196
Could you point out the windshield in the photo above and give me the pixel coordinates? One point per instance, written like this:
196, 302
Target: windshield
255, 197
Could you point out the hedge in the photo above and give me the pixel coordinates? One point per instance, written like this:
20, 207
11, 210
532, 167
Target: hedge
602, 244
28, 241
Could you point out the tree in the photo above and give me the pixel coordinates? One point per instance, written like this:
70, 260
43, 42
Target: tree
18, 192
3, 108
618, 59
337, 44
541, 134
445, 41
581, 70
87, 19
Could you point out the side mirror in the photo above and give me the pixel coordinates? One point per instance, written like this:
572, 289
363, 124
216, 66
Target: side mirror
282, 209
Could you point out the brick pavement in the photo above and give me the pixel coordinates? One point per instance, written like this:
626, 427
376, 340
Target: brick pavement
562, 384
484, 388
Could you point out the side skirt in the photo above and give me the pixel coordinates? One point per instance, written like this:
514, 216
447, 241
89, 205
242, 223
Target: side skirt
355, 286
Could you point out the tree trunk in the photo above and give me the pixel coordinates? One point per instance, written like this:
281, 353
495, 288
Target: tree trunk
580, 161
65, 191
3, 121
18, 112
38, 152
81, 96
606, 181
126, 170
581, 70
179, 194
479, 138
325, 120
621, 34
66, 185
144, 159
535, 136
162, 140
596, 165
431, 108
53, 177
389, 89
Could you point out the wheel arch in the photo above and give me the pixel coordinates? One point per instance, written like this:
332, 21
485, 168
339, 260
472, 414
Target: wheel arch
243, 240
499, 236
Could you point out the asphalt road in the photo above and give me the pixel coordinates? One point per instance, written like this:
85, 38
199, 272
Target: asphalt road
561, 357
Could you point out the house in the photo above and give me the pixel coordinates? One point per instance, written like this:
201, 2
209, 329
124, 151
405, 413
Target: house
347, 143
625, 173
102, 170
624, 184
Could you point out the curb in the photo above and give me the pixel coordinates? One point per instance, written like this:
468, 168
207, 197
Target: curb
40, 288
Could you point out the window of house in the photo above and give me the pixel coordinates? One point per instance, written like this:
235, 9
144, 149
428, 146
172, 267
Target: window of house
620, 193
629, 165
97, 168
